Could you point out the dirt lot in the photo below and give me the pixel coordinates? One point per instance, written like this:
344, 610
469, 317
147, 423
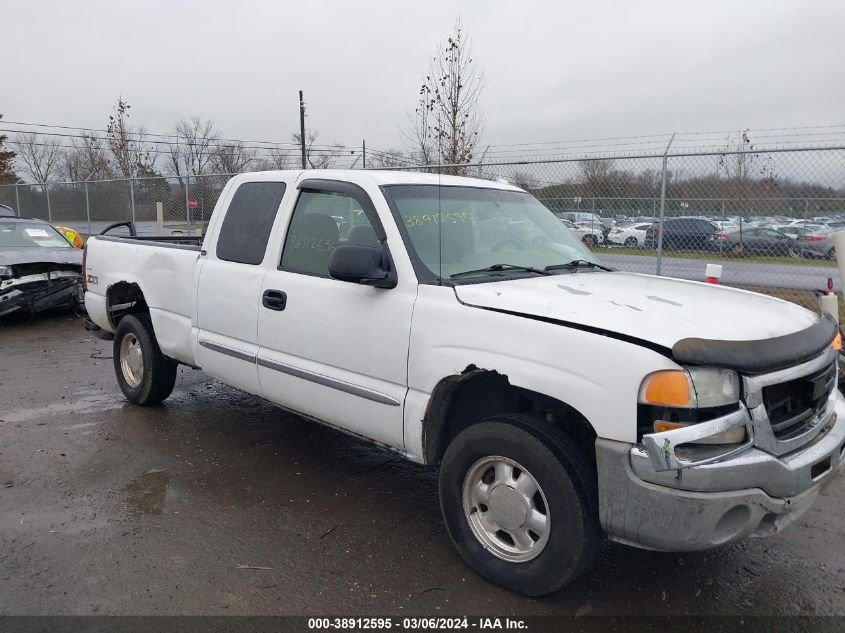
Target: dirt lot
216, 503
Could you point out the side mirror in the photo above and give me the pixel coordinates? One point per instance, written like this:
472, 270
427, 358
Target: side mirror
367, 265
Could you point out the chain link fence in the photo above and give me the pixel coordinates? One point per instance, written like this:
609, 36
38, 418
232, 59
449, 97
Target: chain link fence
765, 216
156, 205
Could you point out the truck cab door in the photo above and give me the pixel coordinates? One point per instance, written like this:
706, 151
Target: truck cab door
332, 349
229, 285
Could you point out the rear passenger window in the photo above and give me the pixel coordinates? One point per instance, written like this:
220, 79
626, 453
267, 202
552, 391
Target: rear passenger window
322, 220
248, 222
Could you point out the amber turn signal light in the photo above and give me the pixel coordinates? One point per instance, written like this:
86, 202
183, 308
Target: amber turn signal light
667, 388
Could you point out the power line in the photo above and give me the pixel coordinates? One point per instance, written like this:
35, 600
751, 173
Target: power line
138, 133
169, 144
664, 136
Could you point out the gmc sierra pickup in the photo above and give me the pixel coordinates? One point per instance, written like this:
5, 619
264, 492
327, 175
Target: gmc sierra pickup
458, 322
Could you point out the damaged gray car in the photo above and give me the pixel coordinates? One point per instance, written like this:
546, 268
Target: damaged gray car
39, 268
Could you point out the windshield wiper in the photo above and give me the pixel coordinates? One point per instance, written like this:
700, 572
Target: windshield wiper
496, 268
578, 263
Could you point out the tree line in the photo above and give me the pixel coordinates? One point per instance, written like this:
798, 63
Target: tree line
123, 150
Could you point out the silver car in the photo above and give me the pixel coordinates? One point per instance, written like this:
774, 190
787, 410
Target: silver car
814, 239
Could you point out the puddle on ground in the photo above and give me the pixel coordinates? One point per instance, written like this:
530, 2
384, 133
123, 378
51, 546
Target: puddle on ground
147, 492
87, 404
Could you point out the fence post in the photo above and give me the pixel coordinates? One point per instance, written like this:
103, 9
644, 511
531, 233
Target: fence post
132, 198
722, 228
662, 207
187, 202
87, 207
17, 200
49, 208
806, 207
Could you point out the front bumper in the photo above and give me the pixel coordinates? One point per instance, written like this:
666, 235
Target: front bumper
38, 296
754, 493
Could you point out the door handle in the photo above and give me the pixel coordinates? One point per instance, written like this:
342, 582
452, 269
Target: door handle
274, 300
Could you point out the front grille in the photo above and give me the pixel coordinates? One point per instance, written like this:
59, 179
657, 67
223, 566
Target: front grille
794, 406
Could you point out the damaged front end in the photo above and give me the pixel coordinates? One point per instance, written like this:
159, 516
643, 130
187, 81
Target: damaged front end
38, 286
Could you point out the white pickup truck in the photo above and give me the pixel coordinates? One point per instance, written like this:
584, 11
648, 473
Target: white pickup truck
458, 322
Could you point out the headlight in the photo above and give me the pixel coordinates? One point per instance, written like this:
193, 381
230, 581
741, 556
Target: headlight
692, 388
5, 272
714, 387
695, 387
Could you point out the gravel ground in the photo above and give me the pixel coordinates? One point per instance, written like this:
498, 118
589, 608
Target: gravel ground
218, 503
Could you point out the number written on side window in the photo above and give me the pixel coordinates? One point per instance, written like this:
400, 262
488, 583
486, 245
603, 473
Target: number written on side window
323, 220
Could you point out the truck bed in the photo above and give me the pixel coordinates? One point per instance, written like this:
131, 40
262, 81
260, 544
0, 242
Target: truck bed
164, 270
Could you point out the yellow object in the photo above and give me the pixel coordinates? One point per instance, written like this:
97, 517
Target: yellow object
669, 388
661, 425
837, 342
71, 236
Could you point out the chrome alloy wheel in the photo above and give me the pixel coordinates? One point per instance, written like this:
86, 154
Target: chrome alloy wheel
506, 509
131, 360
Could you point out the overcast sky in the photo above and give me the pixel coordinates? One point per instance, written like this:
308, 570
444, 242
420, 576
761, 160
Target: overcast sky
553, 70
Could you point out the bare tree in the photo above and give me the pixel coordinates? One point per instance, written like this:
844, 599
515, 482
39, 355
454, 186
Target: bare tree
41, 156
524, 180
7, 161
735, 163
232, 158
193, 151
419, 136
317, 157
86, 159
277, 157
130, 152
385, 159
599, 175
740, 165
448, 123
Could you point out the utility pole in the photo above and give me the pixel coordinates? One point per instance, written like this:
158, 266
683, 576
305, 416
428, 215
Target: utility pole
302, 127
364, 151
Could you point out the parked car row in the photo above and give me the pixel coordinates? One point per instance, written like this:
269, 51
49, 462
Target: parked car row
776, 237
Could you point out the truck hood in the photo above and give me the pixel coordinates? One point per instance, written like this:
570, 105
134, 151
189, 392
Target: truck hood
40, 255
660, 310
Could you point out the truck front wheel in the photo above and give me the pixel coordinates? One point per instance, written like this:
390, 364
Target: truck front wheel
145, 375
520, 503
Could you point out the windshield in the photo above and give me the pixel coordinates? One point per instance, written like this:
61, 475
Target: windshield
458, 229
19, 234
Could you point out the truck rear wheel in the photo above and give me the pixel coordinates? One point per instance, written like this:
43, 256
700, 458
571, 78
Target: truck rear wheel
145, 375
520, 503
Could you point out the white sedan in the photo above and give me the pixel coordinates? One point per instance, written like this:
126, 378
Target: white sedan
631, 234
590, 233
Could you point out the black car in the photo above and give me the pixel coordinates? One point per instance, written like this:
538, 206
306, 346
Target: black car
39, 268
682, 234
756, 241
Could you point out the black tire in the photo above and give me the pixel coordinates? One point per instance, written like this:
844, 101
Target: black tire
158, 375
831, 254
632, 242
568, 483
589, 241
